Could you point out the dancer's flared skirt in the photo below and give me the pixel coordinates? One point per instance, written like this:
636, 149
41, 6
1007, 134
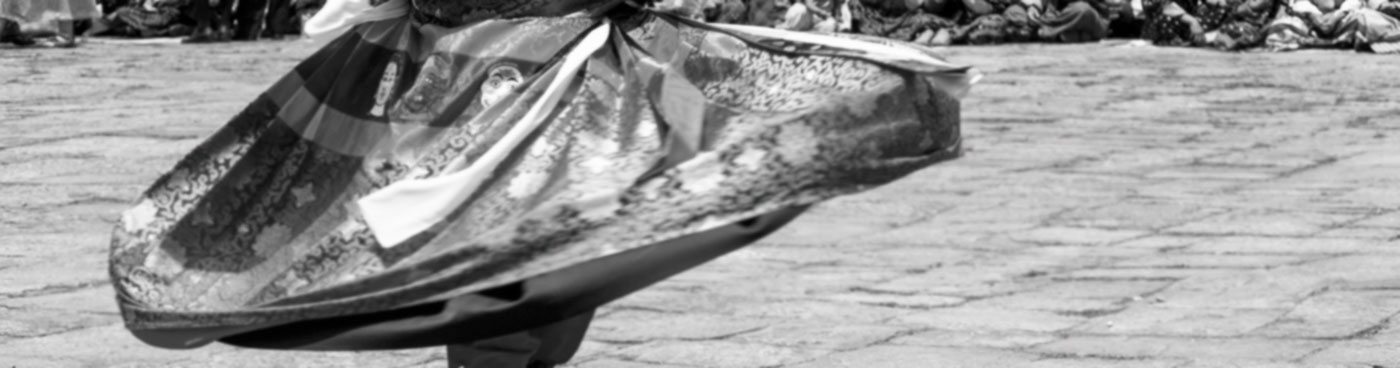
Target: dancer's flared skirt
412, 171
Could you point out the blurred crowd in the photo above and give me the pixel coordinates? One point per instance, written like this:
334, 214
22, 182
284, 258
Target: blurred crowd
61, 21
203, 20
1369, 25
1276, 25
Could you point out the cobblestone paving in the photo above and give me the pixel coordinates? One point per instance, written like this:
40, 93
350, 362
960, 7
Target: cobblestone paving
1117, 207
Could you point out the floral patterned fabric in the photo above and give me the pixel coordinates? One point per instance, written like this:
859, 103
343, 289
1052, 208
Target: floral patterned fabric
672, 128
1221, 24
1172, 27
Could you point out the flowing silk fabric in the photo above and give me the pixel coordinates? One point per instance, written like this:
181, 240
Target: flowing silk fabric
671, 128
337, 16
526, 305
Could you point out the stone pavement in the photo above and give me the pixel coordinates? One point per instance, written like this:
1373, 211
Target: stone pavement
1117, 207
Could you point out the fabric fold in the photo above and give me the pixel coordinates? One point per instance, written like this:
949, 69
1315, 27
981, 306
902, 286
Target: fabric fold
406, 208
467, 175
336, 17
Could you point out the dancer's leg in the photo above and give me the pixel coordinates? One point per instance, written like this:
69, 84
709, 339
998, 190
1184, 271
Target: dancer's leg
538, 348
559, 341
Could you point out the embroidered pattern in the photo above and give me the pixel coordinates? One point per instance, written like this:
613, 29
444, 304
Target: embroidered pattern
256, 225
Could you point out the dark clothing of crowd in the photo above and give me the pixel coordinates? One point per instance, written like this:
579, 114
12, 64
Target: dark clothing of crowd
1372, 25
203, 20
936, 22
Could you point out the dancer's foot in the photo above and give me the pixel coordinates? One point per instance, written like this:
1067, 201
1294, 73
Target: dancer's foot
67, 36
63, 41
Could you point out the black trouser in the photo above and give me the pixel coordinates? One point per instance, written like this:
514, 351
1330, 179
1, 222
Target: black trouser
213, 18
255, 16
545, 346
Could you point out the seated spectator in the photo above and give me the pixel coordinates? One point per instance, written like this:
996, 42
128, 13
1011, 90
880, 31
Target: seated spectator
726, 11
1227, 24
1128, 20
1073, 20
693, 9
1356, 24
797, 18
995, 21
213, 21
836, 13
56, 20
1168, 24
10, 33
150, 18
1289, 31
767, 13
824, 16
905, 20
